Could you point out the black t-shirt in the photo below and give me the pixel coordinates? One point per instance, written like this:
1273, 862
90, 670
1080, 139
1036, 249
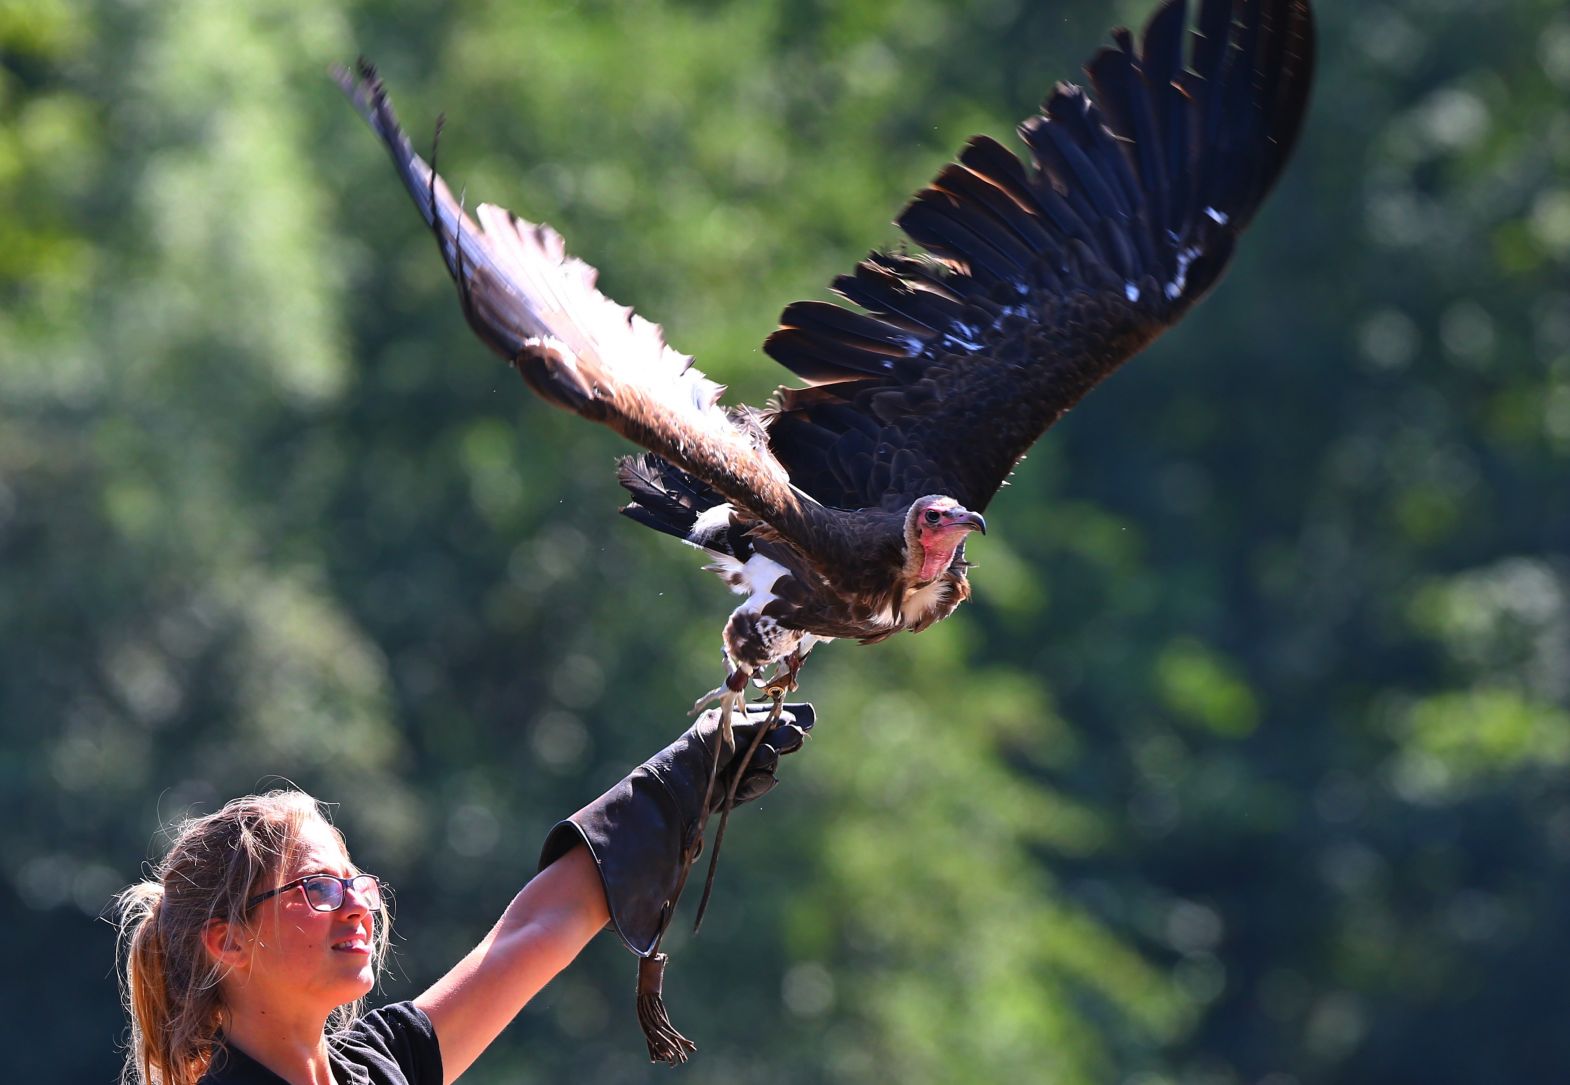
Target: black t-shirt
394, 1045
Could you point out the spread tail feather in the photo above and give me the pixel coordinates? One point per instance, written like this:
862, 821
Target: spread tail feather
669, 500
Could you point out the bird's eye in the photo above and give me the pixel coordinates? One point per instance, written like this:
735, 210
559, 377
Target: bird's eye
932, 516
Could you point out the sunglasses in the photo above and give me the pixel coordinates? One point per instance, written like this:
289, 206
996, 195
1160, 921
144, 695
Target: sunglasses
326, 892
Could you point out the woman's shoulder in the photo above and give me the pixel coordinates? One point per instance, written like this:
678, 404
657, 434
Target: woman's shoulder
396, 1043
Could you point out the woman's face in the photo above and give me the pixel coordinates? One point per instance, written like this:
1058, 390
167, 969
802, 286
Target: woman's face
305, 957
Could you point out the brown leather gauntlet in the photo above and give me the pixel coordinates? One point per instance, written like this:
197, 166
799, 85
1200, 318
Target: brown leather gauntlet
640, 831
644, 833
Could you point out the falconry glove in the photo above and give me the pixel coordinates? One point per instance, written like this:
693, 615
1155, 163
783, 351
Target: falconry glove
645, 832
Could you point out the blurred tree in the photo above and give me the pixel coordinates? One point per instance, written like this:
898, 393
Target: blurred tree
1246, 765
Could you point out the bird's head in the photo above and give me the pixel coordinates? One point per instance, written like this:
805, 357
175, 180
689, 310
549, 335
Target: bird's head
935, 527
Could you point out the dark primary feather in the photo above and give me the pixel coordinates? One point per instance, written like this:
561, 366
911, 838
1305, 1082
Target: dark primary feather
1053, 272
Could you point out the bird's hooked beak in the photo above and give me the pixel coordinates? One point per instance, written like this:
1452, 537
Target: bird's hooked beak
968, 519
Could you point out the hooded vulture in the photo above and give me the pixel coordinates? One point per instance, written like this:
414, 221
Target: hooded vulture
841, 508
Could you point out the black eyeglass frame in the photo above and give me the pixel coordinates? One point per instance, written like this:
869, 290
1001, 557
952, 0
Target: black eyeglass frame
344, 887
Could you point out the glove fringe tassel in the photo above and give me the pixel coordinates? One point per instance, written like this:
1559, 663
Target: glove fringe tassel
665, 1043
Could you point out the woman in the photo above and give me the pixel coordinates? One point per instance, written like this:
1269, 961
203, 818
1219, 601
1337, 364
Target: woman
248, 955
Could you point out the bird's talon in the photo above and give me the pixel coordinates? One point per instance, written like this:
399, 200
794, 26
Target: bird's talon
709, 698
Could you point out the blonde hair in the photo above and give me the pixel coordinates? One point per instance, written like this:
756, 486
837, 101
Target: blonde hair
168, 981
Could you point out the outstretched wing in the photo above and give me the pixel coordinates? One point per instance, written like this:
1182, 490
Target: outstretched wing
1043, 278
538, 308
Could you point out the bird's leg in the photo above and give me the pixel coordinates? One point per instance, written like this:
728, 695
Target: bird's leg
792, 664
776, 693
729, 695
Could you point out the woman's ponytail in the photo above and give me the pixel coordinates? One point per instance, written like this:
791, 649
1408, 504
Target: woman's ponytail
144, 984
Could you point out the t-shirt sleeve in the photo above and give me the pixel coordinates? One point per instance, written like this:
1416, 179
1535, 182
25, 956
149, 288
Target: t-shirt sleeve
404, 1036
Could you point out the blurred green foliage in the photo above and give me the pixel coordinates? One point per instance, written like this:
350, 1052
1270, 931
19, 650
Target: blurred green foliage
1246, 764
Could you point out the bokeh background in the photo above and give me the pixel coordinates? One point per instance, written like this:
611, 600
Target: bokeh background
1247, 764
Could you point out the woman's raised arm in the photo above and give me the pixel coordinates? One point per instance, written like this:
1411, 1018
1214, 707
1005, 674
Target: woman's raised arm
543, 929
619, 859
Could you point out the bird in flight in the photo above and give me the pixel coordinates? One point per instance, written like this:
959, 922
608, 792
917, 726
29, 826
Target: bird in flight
842, 507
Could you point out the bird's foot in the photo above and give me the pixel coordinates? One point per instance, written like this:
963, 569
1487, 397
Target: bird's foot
727, 694
732, 698
782, 680
778, 684
776, 693
717, 696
